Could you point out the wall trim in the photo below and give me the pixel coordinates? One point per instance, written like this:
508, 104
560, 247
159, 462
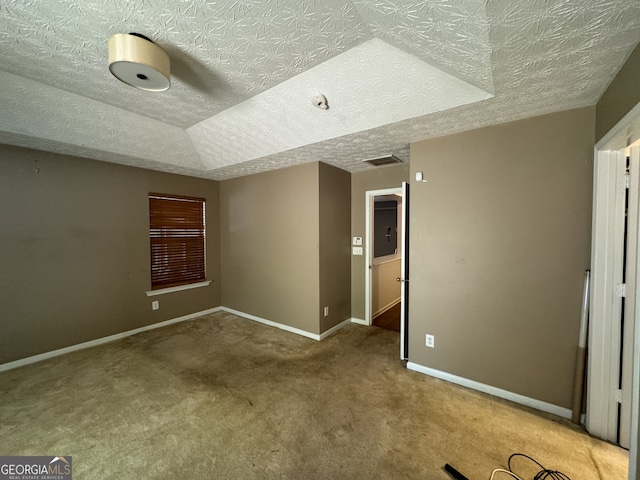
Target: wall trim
333, 330
377, 262
496, 392
111, 338
281, 326
386, 308
287, 328
359, 321
99, 341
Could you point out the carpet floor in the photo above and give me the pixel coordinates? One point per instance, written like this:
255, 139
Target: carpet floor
222, 397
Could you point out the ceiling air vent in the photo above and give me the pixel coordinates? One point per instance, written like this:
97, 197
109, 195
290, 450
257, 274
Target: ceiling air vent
384, 160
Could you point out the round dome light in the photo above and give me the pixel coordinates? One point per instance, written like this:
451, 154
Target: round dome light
137, 61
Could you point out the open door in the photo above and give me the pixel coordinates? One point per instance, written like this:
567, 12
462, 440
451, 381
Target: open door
614, 313
404, 276
613, 387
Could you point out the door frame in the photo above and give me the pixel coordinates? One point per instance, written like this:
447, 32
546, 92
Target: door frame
368, 245
404, 274
604, 333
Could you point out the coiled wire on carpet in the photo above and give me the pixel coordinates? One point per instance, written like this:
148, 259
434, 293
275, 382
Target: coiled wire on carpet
543, 474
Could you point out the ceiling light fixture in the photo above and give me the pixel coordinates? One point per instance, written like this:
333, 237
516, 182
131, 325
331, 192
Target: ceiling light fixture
137, 61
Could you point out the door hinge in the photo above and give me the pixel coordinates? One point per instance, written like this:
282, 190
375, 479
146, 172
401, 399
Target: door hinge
621, 290
627, 180
617, 395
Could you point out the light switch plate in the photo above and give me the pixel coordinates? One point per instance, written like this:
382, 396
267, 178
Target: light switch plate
357, 240
357, 250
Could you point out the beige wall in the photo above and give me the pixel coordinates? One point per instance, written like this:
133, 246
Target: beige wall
385, 289
74, 250
270, 245
500, 240
620, 97
362, 182
335, 249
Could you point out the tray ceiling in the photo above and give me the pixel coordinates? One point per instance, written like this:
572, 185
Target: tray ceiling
244, 73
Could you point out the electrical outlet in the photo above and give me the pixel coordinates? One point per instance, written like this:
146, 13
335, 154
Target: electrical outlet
431, 341
155, 305
326, 311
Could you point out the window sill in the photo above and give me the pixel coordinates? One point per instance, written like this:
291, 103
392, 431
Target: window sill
162, 291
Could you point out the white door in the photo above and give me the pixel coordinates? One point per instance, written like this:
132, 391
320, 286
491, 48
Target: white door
613, 306
404, 276
604, 352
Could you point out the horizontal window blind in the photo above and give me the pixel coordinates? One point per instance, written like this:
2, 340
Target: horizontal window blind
177, 236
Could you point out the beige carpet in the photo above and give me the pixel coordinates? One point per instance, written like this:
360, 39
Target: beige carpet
222, 397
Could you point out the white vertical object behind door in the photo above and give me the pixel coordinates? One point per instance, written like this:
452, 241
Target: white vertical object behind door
606, 306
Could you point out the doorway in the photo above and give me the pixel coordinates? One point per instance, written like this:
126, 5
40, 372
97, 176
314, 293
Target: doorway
385, 260
383, 254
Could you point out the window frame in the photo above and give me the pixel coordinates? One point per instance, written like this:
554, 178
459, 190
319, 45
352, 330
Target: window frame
177, 242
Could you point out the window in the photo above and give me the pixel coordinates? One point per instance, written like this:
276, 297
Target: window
177, 237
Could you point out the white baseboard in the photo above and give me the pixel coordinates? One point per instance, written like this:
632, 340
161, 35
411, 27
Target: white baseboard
386, 307
333, 330
281, 326
497, 392
287, 328
100, 341
359, 321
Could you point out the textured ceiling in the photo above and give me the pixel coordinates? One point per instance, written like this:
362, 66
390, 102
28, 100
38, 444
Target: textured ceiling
523, 58
368, 86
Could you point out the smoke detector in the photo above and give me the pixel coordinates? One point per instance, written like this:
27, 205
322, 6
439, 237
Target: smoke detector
320, 101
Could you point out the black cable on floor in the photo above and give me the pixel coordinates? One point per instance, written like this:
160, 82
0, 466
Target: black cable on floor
543, 474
